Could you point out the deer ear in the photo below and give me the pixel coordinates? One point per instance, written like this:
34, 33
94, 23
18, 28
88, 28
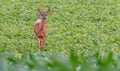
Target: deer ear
48, 11
39, 11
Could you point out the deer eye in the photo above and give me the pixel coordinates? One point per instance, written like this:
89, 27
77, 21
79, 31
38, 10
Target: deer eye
42, 14
45, 14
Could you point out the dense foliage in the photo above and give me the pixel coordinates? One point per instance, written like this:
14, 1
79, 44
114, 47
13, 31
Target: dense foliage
82, 35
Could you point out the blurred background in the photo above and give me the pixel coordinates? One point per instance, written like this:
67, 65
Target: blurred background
82, 35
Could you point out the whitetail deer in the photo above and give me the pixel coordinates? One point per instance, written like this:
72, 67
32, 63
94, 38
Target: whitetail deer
40, 28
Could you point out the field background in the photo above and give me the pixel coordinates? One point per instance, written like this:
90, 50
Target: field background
76, 30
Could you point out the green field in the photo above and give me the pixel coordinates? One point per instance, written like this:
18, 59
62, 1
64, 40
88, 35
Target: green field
82, 35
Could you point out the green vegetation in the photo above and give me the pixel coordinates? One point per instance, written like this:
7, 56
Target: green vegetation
82, 35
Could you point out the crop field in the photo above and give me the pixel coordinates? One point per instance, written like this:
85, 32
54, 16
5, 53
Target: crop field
82, 35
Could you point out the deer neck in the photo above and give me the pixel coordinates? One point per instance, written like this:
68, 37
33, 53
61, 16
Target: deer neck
42, 24
42, 20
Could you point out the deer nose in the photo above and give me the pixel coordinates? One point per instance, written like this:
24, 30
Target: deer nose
44, 18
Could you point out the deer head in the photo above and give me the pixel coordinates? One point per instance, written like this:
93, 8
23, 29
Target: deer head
44, 14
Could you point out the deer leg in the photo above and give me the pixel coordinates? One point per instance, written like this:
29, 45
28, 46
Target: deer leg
39, 42
42, 40
42, 45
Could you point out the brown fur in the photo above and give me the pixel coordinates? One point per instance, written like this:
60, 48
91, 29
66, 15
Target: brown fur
40, 32
40, 29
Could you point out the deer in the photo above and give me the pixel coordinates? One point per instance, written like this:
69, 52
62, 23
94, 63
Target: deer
40, 28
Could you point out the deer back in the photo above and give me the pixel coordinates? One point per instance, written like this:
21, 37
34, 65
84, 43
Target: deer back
37, 26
